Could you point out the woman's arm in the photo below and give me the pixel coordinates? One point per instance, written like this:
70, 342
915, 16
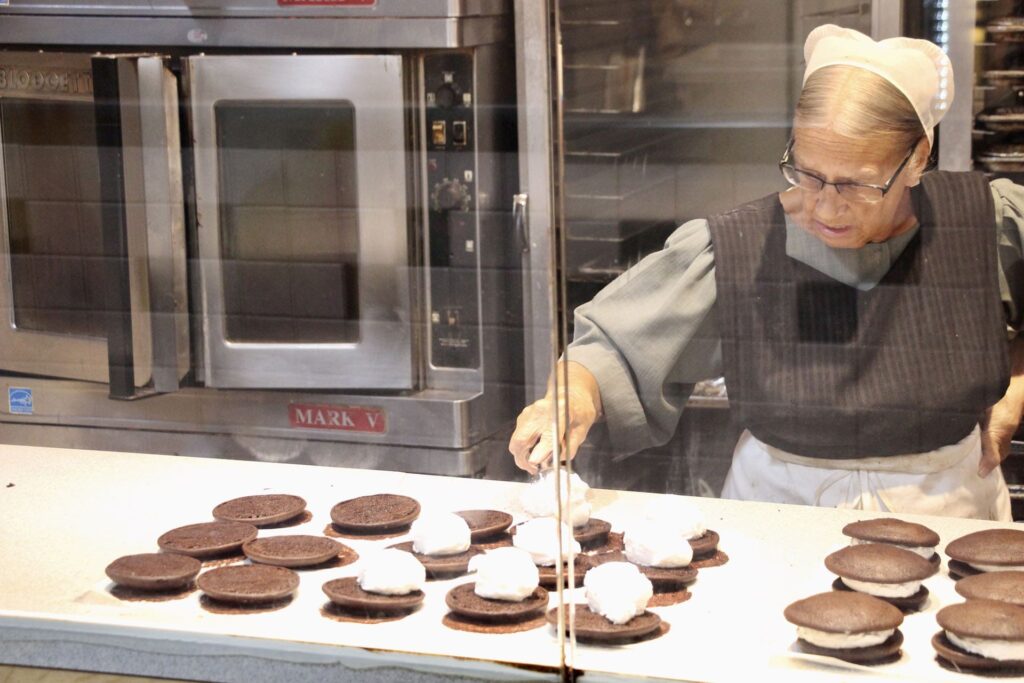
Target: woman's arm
1001, 420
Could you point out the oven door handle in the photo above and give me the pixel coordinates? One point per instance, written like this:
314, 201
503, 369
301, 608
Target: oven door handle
521, 221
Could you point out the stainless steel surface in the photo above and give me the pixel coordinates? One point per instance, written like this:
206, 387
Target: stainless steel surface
462, 462
535, 88
955, 138
267, 8
429, 418
27, 350
201, 32
154, 204
382, 357
151, 174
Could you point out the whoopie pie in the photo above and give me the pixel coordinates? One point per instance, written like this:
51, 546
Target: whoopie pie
986, 551
854, 627
981, 635
907, 535
884, 571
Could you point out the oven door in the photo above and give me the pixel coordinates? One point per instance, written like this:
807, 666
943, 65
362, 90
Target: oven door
301, 185
57, 280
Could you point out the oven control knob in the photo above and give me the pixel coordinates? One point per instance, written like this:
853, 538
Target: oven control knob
450, 195
446, 97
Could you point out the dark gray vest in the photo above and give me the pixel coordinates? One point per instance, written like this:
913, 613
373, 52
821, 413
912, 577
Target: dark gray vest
821, 369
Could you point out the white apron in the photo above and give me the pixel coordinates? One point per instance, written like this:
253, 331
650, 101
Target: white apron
942, 482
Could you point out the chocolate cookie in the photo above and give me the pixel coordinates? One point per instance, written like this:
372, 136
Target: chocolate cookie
664, 579
464, 602
592, 627
260, 511
249, 584
1005, 586
485, 524
704, 545
347, 594
295, 550
441, 566
848, 613
979, 620
207, 538
381, 512
894, 532
153, 571
997, 547
592, 534
885, 564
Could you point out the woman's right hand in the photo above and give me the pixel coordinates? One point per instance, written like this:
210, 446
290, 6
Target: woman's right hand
533, 440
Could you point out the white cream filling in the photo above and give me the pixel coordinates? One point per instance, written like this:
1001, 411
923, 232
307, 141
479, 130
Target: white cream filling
842, 641
652, 547
440, 533
884, 590
924, 551
1003, 650
995, 567
505, 574
391, 572
541, 498
617, 591
539, 537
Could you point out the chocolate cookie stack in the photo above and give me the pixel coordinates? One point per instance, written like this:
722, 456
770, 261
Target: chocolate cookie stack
854, 627
884, 571
985, 551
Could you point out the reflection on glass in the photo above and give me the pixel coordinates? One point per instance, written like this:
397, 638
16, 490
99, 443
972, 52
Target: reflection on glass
289, 232
52, 194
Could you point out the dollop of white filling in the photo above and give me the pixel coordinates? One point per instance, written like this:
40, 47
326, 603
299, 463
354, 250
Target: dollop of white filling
541, 500
995, 567
505, 574
617, 591
883, 590
539, 537
650, 546
1002, 650
391, 572
676, 516
843, 640
924, 551
440, 533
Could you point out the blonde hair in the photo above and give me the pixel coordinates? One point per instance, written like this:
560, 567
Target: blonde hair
858, 103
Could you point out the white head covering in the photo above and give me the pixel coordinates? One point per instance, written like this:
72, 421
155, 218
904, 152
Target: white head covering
918, 68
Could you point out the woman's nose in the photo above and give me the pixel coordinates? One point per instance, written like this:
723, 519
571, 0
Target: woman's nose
829, 203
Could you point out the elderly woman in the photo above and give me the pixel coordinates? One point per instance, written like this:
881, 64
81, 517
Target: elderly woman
859, 317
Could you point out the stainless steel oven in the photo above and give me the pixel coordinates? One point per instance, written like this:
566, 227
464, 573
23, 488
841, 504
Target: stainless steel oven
260, 225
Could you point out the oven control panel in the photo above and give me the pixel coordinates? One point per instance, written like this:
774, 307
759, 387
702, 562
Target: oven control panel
451, 212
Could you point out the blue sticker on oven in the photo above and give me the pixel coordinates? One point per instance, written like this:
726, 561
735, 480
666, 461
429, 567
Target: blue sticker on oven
19, 401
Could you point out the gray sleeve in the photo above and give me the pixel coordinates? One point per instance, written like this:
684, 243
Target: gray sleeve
650, 335
1009, 208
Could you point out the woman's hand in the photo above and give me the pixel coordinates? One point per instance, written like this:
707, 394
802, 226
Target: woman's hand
533, 441
1001, 420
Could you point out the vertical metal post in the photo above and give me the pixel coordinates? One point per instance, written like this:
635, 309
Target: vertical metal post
534, 96
955, 141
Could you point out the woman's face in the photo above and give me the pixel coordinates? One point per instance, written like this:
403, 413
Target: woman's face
831, 217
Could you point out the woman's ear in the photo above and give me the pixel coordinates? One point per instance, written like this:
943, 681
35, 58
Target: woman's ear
918, 163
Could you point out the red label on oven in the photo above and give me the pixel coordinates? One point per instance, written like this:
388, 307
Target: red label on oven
360, 3
341, 418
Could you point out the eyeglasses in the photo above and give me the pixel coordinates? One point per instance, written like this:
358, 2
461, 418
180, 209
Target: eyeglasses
852, 192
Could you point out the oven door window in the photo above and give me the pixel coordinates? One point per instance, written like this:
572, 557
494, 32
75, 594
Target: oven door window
303, 221
289, 222
53, 216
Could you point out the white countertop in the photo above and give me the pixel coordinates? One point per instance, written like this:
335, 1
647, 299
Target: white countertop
69, 513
